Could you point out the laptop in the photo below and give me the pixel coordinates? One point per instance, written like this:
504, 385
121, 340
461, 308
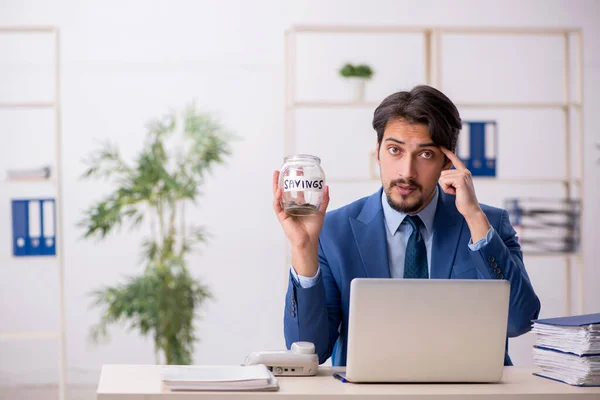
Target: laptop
427, 330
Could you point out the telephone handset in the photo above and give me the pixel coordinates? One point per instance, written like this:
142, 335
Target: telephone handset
301, 360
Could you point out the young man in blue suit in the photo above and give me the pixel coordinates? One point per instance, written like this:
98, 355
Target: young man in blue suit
425, 222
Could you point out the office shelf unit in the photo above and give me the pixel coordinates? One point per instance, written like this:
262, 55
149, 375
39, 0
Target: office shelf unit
58, 335
432, 42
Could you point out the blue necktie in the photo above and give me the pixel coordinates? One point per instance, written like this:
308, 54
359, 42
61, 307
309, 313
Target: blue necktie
415, 261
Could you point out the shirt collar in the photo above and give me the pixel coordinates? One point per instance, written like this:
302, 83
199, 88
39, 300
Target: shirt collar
394, 218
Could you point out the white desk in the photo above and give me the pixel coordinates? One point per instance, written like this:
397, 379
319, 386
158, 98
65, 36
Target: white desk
142, 382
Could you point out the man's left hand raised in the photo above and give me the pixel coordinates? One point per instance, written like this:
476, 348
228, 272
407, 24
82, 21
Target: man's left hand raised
459, 182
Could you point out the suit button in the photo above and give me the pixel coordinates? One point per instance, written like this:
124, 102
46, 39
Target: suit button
500, 276
491, 259
497, 270
494, 264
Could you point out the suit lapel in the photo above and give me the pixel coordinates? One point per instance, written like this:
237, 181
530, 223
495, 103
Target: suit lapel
447, 228
369, 233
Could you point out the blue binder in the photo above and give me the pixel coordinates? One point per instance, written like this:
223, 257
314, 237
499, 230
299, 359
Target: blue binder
566, 352
576, 320
477, 161
44, 242
558, 380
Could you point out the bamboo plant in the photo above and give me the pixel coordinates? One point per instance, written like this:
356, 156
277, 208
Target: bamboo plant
152, 192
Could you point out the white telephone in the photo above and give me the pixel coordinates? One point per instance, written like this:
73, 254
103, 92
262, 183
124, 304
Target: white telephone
301, 360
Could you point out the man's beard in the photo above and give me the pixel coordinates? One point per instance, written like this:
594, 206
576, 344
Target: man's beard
405, 207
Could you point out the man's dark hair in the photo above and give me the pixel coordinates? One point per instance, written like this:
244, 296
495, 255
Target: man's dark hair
424, 105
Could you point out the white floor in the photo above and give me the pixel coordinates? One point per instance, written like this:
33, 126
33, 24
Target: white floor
46, 392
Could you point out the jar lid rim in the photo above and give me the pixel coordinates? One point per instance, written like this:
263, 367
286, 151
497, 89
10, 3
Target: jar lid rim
302, 156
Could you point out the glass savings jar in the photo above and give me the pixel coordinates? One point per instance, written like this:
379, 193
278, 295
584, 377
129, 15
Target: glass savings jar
303, 182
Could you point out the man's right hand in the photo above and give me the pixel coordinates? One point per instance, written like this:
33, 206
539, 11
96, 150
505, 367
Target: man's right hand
302, 232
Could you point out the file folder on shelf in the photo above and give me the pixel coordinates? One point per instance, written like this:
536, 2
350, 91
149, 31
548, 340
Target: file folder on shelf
33, 223
477, 147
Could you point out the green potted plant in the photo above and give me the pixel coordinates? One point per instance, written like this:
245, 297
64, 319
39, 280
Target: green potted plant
163, 299
358, 75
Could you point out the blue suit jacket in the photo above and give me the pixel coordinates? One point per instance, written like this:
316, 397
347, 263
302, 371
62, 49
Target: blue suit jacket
353, 244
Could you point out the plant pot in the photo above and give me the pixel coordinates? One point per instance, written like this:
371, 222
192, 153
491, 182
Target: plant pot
357, 89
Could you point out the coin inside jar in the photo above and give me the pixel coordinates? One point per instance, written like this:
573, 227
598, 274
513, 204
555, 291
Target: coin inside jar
299, 210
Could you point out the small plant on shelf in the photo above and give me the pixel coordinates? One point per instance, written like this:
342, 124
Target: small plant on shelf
362, 71
357, 75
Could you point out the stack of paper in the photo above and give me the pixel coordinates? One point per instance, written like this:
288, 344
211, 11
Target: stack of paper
568, 349
29, 174
219, 378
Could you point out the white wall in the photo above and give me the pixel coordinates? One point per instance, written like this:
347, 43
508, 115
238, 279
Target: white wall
124, 62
